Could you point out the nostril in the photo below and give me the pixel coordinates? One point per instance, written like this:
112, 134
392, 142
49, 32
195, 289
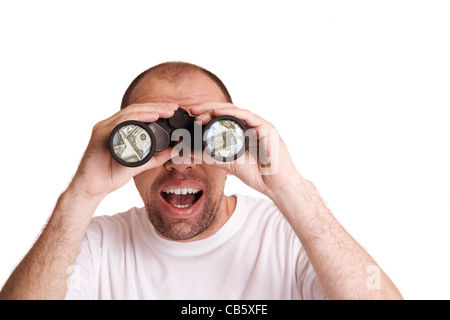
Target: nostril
177, 164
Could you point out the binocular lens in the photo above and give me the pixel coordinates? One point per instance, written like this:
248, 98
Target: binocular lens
131, 143
225, 140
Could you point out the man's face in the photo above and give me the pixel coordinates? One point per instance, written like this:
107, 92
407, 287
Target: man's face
183, 200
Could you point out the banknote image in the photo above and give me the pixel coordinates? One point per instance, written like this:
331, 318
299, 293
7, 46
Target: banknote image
132, 143
225, 138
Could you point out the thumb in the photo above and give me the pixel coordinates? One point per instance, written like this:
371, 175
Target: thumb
158, 159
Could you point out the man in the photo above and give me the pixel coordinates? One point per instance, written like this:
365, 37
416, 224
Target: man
191, 241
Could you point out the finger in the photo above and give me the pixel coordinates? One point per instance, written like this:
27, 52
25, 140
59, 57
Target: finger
157, 160
204, 118
105, 127
251, 119
208, 111
161, 108
206, 159
143, 115
165, 110
205, 107
149, 106
151, 116
109, 124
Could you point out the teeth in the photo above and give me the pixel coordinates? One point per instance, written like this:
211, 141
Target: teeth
182, 206
182, 191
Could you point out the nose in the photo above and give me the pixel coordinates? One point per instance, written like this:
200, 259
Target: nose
180, 164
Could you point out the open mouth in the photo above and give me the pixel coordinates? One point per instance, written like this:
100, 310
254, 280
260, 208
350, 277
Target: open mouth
183, 197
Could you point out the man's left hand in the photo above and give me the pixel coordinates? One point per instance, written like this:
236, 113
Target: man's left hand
266, 167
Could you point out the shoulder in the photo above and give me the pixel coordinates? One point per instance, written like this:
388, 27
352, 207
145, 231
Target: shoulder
117, 221
117, 227
262, 215
259, 208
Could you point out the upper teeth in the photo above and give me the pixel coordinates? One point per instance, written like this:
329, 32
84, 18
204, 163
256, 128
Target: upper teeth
182, 191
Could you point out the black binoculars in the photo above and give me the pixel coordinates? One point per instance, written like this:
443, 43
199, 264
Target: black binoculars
133, 143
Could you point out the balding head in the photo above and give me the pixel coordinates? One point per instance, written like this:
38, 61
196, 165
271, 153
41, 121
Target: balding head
173, 73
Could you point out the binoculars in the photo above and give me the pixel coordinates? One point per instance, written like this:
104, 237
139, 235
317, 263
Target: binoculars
133, 143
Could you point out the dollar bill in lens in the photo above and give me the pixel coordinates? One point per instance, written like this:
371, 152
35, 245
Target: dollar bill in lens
225, 138
132, 143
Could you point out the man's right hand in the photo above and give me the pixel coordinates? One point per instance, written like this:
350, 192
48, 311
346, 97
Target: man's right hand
98, 173
42, 274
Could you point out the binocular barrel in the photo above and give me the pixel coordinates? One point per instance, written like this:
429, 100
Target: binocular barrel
133, 143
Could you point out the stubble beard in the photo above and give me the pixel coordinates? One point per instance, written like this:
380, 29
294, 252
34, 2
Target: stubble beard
185, 229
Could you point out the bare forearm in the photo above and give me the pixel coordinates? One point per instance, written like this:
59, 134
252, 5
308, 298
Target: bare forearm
341, 264
43, 273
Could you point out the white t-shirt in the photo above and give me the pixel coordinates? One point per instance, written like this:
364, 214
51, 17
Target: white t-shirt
255, 255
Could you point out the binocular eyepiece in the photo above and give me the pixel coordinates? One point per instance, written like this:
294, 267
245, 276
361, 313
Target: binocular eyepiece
133, 143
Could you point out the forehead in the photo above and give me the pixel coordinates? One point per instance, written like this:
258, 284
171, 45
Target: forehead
187, 90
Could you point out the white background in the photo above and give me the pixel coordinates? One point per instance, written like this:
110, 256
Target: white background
358, 89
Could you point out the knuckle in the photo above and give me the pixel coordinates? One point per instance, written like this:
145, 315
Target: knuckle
97, 126
270, 125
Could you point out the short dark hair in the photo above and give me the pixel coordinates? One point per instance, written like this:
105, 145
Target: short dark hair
172, 71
